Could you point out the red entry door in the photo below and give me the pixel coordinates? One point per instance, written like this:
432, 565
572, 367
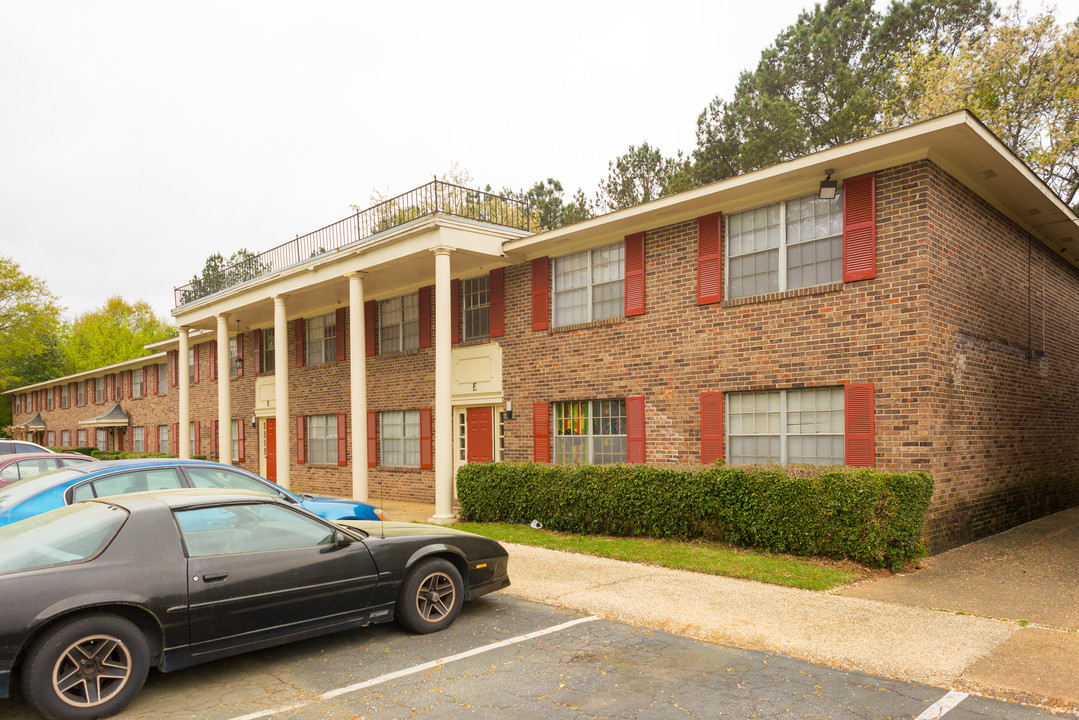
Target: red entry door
480, 436
271, 449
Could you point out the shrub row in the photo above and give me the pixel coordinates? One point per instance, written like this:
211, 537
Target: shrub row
871, 516
113, 454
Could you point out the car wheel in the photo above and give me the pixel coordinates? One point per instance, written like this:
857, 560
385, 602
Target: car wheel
88, 667
431, 596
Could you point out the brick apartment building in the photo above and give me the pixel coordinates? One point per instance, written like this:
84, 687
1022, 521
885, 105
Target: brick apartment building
924, 319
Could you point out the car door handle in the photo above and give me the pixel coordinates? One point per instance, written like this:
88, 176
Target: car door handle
214, 577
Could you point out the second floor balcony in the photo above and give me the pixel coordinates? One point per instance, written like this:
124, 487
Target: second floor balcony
436, 197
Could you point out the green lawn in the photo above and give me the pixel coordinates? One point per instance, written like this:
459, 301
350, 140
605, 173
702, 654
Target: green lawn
703, 557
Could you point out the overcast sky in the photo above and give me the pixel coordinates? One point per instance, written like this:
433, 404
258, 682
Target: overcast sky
137, 138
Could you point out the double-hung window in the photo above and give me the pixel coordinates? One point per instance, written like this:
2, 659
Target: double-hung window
785, 246
136, 383
477, 307
80, 393
65, 399
65, 438
191, 360
399, 324
321, 346
103, 440
589, 432
138, 438
267, 355
589, 285
99, 390
786, 426
400, 438
322, 439
234, 357
163, 438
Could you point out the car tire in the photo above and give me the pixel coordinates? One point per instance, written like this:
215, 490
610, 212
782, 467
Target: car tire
87, 667
431, 596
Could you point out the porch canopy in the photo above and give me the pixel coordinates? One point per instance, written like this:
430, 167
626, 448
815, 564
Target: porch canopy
115, 417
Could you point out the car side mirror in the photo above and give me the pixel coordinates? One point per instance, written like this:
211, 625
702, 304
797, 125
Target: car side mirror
340, 541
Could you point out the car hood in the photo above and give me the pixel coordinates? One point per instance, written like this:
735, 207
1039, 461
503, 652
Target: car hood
400, 529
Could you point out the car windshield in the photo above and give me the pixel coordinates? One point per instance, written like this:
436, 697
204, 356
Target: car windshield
62, 537
19, 491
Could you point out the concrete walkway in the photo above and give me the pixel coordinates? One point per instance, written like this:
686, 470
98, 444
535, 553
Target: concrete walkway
999, 617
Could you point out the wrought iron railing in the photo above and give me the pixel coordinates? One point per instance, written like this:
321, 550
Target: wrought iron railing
434, 197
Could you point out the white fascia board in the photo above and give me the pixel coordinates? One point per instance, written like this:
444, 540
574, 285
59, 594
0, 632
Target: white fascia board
106, 369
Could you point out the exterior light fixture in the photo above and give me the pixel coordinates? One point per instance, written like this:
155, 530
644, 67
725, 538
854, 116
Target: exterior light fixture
509, 409
828, 186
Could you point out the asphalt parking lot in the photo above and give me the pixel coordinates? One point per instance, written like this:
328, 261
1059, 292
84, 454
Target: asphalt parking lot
519, 659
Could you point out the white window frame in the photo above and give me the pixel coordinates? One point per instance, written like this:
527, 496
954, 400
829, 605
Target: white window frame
99, 390
783, 270
65, 438
102, 439
234, 428
191, 364
404, 340
396, 438
65, 396
557, 294
476, 307
163, 439
80, 437
234, 366
565, 412
322, 439
162, 378
784, 434
138, 389
138, 438
267, 350
322, 349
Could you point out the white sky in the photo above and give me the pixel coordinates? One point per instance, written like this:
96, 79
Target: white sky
137, 138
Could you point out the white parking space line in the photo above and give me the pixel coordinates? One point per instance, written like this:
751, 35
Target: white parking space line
938, 709
421, 668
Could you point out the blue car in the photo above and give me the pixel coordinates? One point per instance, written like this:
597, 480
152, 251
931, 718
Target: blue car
64, 486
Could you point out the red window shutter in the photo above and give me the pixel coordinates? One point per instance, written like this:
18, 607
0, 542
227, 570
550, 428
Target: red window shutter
859, 430
157, 378
130, 439
709, 259
369, 328
426, 450
860, 228
130, 382
56, 397
635, 431
197, 439
256, 349
240, 354
213, 360
633, 294
425, 316
541, 431
301, 440
240, 428
540, 300
342, 450
195, 360
340, 335
174, 439
711, 427
297, 342
497, 284
372, 439
455, 311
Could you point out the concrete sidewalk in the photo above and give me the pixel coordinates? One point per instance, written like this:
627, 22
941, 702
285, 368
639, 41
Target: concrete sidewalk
956, 624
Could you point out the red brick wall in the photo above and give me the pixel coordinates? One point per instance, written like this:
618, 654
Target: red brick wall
1006, 345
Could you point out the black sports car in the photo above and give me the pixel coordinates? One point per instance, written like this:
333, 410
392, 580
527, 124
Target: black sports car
95, 593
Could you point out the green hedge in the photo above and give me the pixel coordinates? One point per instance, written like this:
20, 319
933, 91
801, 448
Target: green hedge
125, 455
870, 516
81, 450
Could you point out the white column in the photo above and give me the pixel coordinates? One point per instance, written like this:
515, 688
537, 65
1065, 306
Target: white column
184, 420
358, 374
443, 429
280, 359
224, 392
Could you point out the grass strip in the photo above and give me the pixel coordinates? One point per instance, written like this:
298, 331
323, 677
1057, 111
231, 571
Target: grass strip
695, 556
